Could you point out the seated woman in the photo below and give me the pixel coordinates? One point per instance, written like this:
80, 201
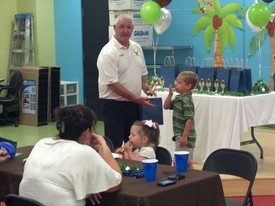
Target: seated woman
75, 165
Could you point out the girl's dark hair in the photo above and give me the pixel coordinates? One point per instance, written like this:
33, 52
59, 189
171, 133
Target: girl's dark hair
71, 121
151, 132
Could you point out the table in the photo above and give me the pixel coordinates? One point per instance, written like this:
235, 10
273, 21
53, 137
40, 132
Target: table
220, 121
194, 190
198, 188
11, 172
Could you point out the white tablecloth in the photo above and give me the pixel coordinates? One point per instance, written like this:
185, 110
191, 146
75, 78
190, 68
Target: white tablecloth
220, 121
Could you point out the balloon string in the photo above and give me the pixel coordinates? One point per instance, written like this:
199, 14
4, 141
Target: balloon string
155, 55
260, 59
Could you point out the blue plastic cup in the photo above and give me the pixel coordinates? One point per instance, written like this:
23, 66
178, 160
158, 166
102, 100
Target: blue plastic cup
150, 169
181, 158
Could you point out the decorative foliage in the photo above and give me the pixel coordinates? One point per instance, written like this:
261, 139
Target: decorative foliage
132, 170
260, 88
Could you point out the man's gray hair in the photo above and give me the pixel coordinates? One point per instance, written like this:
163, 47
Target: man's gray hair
123, 16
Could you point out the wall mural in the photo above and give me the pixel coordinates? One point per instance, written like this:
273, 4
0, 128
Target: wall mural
217, 21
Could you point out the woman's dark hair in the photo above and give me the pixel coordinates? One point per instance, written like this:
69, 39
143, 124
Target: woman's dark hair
71, 121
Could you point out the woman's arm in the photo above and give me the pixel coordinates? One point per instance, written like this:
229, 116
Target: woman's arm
98, 142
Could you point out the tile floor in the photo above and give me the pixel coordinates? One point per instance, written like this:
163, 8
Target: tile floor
29, 135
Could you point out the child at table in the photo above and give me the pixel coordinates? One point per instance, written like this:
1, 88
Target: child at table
183, 113
4, 155
143, 141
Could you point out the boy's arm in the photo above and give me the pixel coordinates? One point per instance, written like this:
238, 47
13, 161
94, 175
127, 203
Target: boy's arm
167, 102
188, 126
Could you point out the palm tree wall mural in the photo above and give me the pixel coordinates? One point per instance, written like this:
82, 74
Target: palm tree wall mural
217, 22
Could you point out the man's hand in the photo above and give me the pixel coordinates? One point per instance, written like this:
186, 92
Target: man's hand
149, 90
143, 101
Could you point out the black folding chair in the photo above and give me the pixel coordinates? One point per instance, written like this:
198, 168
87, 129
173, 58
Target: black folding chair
163, 156
10, 102
110, 144
237, 163
16, 200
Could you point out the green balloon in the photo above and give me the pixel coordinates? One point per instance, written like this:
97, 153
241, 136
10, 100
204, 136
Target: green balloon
259, 14
150, 12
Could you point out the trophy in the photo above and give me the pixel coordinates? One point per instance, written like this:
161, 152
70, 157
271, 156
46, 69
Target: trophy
161, 82
208, 85
201, 84
152, 87
216, 86
222, 86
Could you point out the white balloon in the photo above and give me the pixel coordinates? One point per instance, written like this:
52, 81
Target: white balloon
164, 22
252, 26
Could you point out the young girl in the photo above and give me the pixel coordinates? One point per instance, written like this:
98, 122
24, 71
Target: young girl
143, 141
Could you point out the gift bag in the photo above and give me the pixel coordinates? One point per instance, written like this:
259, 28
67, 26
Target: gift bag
169, 71
223, 74
190, 63
206, 73
240, 80
153, 113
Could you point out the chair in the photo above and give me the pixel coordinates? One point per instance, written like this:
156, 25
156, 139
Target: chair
110, 144
163, 156
16, 200
10, 97
237, 163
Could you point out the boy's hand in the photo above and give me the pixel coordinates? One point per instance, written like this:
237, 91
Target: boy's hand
183, 141
170, 90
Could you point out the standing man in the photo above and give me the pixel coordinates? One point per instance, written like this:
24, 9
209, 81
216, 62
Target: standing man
122, 76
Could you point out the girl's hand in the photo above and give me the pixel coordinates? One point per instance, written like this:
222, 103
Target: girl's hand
128, 146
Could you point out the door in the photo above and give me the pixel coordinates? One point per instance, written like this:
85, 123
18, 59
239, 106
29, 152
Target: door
95, 22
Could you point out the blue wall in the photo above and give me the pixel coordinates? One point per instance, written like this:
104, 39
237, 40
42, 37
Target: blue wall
68, 33
68, 38
180, 33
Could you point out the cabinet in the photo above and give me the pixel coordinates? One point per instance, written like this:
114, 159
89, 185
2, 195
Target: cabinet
69, 93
